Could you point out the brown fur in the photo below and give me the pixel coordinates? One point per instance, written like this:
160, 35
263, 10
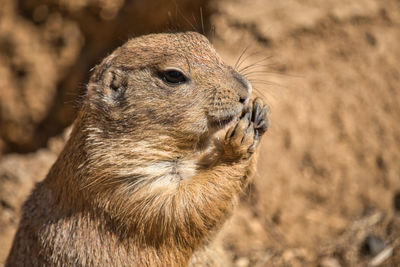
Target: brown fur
144, 179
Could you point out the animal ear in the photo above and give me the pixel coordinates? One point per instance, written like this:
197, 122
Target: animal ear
107, 82
115, 83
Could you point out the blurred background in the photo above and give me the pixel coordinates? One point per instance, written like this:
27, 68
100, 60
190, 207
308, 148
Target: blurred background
327, 191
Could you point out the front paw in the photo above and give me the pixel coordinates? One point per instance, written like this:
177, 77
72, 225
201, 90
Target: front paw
259, 117
242, 138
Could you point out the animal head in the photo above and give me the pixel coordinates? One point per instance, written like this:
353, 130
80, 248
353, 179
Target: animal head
175, 84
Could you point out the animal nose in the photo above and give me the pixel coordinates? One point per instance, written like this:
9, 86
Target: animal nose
244, 90
243, 99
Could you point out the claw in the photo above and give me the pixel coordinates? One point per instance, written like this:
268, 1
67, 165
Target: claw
262, 126
264, 113
256, 110
256, 135
230, 133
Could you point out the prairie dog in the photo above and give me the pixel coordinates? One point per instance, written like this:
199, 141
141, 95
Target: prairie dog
163, 144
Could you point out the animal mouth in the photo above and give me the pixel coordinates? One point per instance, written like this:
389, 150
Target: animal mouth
221, 122
223, 118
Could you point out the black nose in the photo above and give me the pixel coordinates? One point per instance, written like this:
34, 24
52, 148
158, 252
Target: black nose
244, 88
242, 99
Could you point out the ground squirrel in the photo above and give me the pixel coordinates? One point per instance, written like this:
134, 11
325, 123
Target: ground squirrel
160, 149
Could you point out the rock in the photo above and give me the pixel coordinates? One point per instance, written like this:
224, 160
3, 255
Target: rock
373, 245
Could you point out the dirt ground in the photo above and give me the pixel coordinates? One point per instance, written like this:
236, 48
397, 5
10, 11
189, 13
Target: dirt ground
327, 191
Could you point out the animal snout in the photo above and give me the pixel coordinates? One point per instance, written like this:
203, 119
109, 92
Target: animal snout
244, 88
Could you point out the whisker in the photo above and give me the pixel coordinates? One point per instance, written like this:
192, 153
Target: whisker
264, 96
257, 62
267, 95
265, 82
247, 57
259, 92
259, 66
184, 17
195, 22
269, 73
241, 55
261, 87
259, 72
201, 19
212, 32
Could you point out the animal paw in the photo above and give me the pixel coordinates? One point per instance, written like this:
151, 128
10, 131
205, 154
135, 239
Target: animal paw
242, 138
260, 120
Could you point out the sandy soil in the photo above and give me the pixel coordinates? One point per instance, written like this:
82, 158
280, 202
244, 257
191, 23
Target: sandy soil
328, 184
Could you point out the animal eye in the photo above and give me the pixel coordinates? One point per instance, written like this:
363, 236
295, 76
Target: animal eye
173, 77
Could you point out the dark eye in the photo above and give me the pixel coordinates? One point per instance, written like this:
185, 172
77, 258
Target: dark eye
173, 76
